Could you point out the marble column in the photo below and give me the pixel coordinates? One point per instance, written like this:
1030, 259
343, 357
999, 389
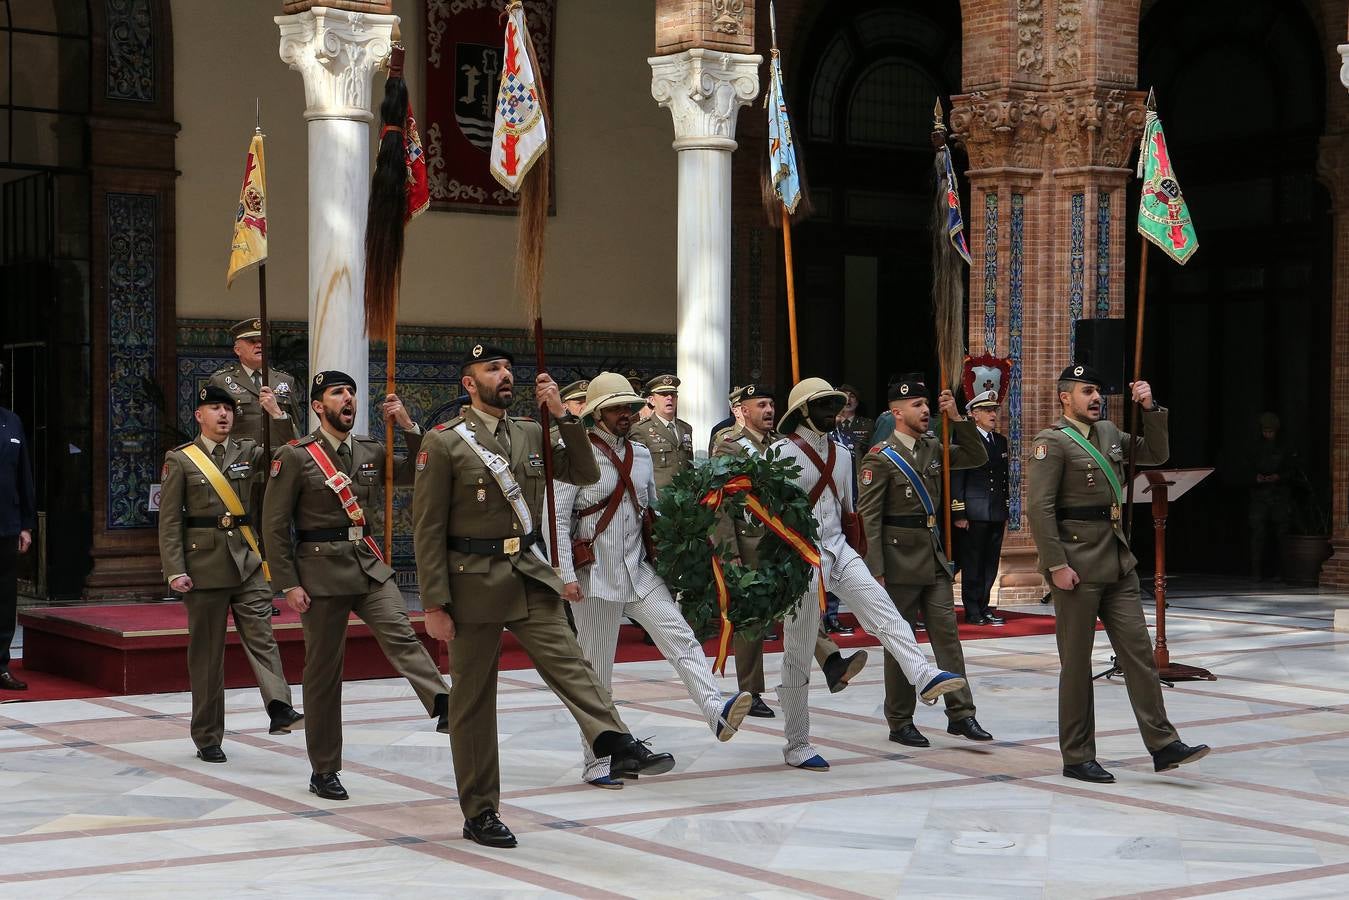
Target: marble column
337, 53
704, 90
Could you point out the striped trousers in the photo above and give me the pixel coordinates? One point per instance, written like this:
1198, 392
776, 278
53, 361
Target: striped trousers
597, 622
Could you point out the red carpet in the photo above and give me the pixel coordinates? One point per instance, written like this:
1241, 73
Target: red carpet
100, 651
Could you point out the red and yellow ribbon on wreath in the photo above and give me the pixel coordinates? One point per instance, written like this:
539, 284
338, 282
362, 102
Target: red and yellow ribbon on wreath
713, 499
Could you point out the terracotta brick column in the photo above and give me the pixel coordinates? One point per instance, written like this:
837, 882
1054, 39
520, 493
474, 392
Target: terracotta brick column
1049, 125
1333, 167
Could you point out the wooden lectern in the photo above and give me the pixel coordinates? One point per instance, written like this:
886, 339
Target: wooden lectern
1161, 486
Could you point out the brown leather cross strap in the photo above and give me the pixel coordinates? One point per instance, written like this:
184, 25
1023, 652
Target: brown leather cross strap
826, 469
611, 503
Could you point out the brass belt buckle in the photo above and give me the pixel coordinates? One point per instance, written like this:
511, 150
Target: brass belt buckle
931, 521
225, 521
510, 546
355, 533
1114, 512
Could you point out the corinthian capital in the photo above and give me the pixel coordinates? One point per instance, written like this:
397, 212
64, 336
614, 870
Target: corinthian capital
336, 52
704, 90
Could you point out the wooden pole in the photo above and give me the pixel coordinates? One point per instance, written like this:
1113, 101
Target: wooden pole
266, 338
544, 422
390, 361
945, 470
1138, 374
791, 293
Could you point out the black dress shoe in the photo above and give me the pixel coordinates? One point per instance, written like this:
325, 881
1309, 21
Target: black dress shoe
9, 683
969, 728
834, 626
839, 669
909, 736
1176, 754
1088, 771
995, 621
632, 758
442, 713
276, 610
487, 829
328, 786
284, 718
211, 754
761, 710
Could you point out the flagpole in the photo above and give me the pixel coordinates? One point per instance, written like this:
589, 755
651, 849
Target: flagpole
791, 293
265, 328
390, 362
1138, 374
546, 424
942, 298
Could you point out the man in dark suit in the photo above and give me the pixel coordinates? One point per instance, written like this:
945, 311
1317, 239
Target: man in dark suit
18, 518
979, 511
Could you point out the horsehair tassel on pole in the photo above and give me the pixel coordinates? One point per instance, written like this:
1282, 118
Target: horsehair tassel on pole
946, 474
1138, 374
948, 296
387, 211
546, 424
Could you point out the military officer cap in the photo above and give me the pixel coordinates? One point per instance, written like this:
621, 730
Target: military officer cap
907, 387
325, 380
986, 400
1083, 373
663, 384
480, 353
576, 390
246, 330
756, 391
212, 394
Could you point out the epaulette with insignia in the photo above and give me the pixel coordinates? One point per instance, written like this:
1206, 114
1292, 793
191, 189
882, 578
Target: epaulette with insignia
301, 442
366, 438
183, 446
446, 426
878, 448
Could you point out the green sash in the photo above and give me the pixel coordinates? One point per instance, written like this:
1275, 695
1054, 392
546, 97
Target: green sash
1077, 438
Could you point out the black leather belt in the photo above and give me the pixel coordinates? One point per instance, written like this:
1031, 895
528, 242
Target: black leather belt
909, 521
222, 522
319, 535
499, 547
1088, 513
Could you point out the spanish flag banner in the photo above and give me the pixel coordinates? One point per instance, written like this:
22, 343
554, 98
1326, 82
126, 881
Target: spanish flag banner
249, 246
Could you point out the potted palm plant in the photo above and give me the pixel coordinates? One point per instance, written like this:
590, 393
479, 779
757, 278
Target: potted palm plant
1306, 546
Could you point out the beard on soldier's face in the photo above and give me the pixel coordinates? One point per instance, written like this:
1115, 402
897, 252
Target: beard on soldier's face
334, 417
492, 395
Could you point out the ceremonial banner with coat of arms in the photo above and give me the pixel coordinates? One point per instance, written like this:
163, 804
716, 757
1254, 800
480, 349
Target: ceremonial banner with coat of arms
464, 66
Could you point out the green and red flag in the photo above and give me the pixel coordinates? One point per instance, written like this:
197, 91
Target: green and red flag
1163, 217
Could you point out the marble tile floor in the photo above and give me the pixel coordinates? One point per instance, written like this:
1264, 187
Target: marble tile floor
103, 798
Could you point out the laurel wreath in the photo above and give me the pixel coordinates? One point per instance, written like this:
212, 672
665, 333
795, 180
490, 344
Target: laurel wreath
685, 538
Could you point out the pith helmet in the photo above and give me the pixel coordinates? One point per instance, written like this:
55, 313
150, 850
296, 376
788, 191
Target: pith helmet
608, 389
808, 390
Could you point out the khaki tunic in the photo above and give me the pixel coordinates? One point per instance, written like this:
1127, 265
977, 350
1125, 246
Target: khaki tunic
249, 420
671, 447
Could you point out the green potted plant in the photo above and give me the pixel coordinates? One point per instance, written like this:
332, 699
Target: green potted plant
1306, 546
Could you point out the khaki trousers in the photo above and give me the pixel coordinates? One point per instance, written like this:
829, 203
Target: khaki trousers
325, 643
474, 654
208, 614
749, 659
1119, 608
936, 602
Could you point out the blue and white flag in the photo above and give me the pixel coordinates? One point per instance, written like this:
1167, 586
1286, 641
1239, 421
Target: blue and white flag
781, 149
955, 222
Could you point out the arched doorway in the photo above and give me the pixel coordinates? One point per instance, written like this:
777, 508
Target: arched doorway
1244, 327
870, 74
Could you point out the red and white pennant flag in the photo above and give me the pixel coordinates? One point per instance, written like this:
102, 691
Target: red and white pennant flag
521, 135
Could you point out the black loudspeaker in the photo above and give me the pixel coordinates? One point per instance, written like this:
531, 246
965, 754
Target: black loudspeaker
1100, 344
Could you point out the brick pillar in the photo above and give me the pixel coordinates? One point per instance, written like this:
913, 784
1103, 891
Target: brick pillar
1333, 167
1049, 128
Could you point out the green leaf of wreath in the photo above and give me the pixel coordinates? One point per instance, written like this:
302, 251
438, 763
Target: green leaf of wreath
685, 540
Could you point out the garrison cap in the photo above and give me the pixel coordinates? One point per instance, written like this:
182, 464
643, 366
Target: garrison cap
246, 330
1083, 373
908, 387
325, 380
662, 384
213, 394
485, 353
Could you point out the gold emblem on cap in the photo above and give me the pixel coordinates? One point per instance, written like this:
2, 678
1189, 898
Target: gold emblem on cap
257, 323
749, 391
477, 350
203, 393
1078, 371
318, 379
904, 390
993, 396
667, 380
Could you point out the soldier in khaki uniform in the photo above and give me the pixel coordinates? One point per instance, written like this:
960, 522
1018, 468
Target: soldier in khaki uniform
574, 397
1076, 471
730, 423
668, 437
334, 566
478, 513
207, 558
275, 404
900, 501
754, 436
